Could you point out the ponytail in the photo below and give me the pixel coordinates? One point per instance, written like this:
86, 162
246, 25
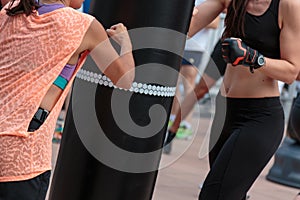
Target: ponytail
24, 7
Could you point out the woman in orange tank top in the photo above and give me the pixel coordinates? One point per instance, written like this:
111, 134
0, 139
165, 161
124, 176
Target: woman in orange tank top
34, 48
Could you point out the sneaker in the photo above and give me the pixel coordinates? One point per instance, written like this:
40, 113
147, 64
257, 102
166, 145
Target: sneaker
184, 133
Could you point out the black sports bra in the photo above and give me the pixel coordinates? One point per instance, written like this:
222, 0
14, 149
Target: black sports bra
262, 32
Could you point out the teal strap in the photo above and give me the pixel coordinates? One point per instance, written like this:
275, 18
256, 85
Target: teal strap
60, 82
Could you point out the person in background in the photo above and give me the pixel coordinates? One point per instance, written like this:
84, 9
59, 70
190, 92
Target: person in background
194, 53
41, 51
86, 6
214, 70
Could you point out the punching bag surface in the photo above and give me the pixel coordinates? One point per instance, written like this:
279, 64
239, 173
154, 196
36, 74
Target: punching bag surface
112, 139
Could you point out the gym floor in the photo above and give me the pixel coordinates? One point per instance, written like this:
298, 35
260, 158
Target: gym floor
183, 171
186, 167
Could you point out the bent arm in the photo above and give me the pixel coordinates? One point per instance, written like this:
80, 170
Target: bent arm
207, 12
287, 68
118, 68
214, 24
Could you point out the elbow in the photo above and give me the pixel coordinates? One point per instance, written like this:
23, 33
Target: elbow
213, 25
125, 83
292, 76
126, 79
121, 74
125, 86
289, 81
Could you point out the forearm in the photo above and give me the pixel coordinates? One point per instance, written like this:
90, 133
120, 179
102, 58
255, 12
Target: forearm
121, 71
280, 70
207, 12
128, 61
119, 68
214, 24
128, 69
285, 69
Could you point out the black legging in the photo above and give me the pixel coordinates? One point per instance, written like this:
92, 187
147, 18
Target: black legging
251, 134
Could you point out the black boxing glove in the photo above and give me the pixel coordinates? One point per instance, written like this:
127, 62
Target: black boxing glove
236, 52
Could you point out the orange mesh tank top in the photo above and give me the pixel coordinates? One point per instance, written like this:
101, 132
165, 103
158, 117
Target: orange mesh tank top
28, 66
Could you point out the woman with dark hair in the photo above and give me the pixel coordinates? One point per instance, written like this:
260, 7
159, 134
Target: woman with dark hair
42, 46
261, 46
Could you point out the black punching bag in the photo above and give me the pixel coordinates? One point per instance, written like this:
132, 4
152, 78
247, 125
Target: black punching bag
112, 139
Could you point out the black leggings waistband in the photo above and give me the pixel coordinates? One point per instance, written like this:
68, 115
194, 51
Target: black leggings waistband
254, 103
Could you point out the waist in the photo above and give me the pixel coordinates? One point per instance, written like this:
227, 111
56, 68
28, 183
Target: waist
239, 82
252, 103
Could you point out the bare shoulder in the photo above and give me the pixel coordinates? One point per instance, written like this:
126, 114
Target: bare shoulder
284, 3
95, 34
96, 29
289, 7
289, 11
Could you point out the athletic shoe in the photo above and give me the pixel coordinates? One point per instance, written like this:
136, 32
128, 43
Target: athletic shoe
184, 133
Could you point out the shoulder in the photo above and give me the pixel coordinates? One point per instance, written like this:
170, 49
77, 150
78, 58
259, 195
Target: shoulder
69, 23
72, 12
289, 2
67, 16
70, 18
289, 7
289, 11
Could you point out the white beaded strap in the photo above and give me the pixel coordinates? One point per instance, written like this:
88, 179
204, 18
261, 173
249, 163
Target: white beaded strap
141, 88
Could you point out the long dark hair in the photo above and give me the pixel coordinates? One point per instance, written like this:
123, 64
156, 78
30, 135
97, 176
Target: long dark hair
24, 7
235, 18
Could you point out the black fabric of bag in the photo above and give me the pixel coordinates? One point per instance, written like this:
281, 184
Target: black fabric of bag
78, 174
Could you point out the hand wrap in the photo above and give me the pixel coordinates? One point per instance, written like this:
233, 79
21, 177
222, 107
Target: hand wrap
236, 52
